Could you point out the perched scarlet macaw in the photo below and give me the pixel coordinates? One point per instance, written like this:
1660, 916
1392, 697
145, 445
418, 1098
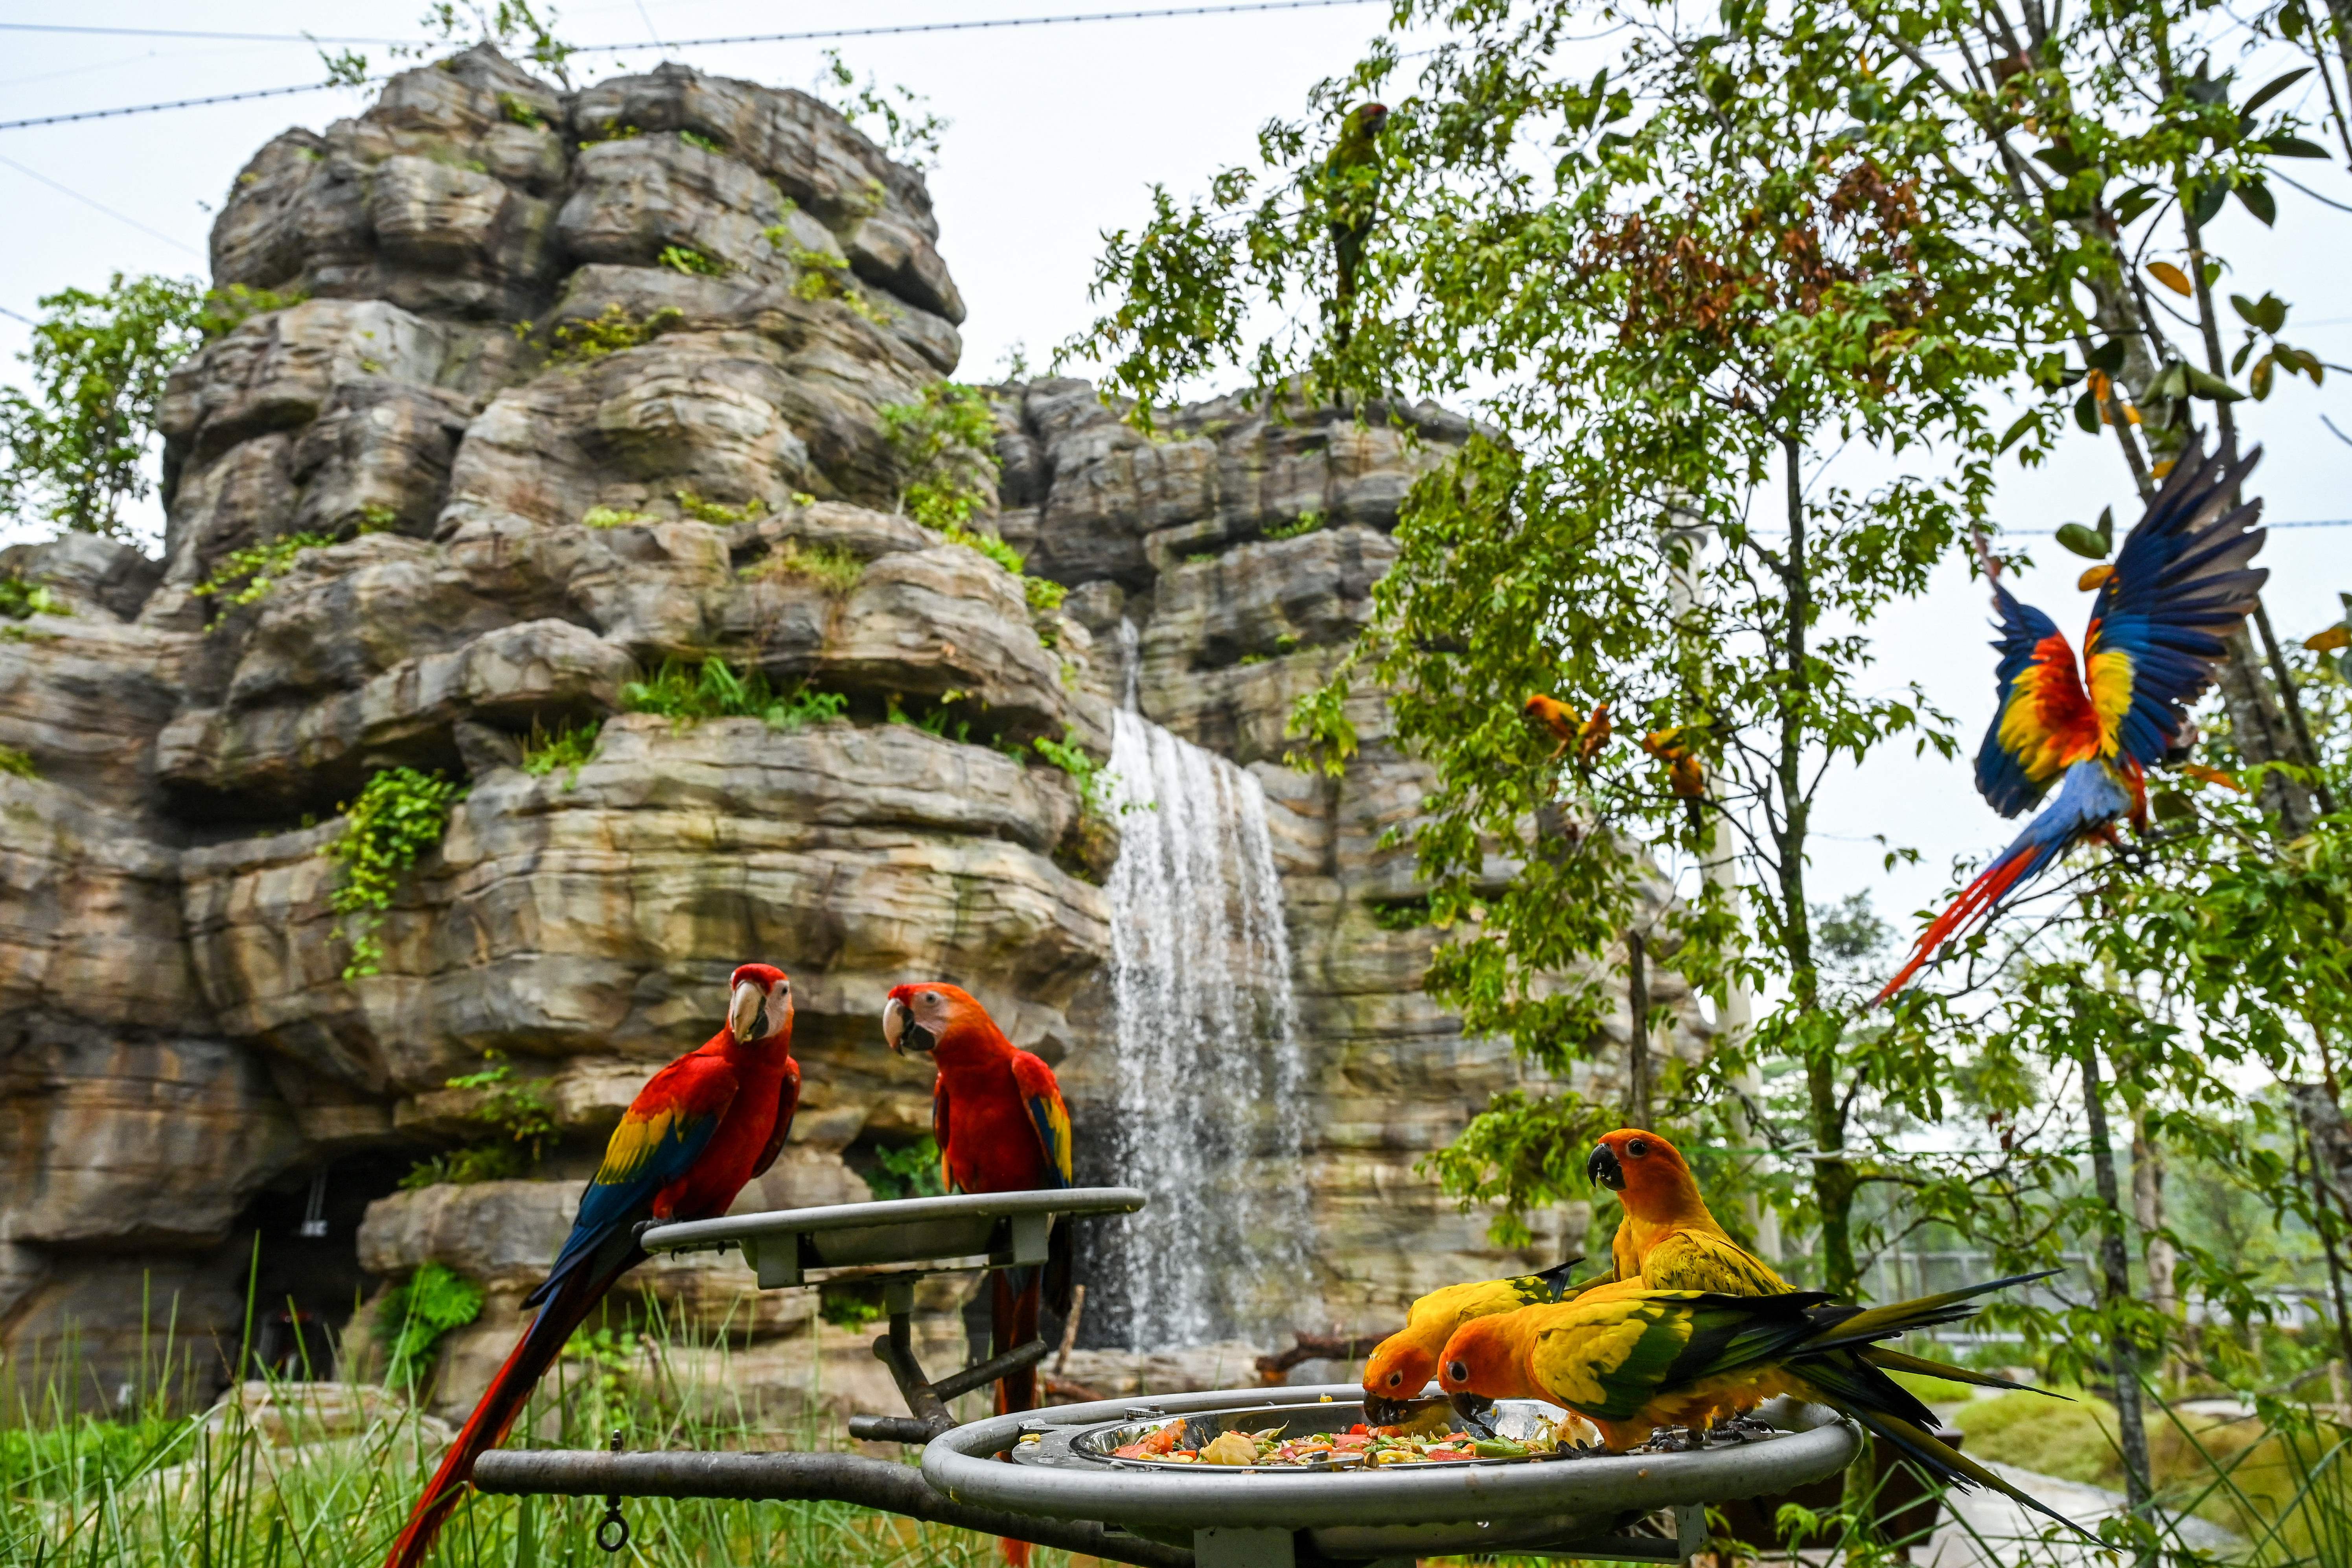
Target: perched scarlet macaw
700, 1130
1001, 1127
2163, 618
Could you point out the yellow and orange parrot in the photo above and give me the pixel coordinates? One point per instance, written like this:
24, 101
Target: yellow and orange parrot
1588, 736
1401, 1365
700, 1128
1001, 1126
1688, 1359
1669, 1239
2162, 620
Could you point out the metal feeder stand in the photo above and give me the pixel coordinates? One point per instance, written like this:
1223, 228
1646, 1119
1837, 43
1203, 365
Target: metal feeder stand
1066, 1489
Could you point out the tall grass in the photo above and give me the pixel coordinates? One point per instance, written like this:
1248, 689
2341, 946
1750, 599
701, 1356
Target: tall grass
2280, 1481
294, 1473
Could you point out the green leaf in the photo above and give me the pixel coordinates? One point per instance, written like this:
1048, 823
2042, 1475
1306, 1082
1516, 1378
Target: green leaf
2108, 357
2207, 205
2083, 541
2290, 147
2086, 413
2016, 432
2261, 380
2256, 198
2134, 202
2267, 313
2274, 87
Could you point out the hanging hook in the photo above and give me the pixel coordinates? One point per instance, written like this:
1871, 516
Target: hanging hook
613, 1532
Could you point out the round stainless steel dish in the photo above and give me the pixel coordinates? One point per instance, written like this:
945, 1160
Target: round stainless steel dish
1066, 1472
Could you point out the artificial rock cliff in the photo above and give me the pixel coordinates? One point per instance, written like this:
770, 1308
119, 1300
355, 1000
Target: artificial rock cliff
181, 1058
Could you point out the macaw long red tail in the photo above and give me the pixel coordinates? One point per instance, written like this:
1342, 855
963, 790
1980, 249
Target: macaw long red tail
1012, 1321
542, 1343
1977, 903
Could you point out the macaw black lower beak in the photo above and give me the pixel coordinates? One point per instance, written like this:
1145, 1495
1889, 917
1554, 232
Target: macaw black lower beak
901, 1033
1603, 1168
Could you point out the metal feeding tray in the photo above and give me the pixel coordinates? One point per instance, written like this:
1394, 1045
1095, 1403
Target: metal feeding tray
1009, 1230
1265, 1517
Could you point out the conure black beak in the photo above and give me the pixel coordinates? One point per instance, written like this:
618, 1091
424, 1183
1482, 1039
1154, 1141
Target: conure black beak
1382, 1411
1604, 1169
1473, 1408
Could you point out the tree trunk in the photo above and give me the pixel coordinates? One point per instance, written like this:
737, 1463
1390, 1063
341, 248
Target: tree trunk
1637, 1041
2157, 1254
2115, 1262
1835, 1182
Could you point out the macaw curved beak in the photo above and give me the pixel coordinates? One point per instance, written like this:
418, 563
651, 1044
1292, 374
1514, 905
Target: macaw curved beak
901, 1033
2093, 577
1604, 1169
747, 1014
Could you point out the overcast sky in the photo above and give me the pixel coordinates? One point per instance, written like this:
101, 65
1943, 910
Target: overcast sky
1057, 133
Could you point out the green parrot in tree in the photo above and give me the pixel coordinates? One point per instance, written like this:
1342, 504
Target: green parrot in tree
1351, 191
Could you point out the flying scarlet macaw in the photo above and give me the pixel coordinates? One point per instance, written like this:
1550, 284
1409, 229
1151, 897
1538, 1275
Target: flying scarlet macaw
1689, 1358
700, 1130
1001, 1127
2164, 616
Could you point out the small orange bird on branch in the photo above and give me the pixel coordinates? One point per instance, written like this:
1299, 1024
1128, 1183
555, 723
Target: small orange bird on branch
1587, 736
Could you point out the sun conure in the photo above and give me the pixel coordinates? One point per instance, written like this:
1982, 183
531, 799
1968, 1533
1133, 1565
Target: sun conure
1401, 1364
1668, 1240
1632, 1364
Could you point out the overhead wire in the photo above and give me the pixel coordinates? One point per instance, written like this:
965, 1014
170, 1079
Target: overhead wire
95, 204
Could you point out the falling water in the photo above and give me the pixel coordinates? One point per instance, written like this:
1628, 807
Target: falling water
1208, 1073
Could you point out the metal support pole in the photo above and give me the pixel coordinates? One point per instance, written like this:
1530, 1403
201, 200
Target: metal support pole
835, 1478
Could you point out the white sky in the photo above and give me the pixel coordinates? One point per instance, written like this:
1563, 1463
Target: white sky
1057, 133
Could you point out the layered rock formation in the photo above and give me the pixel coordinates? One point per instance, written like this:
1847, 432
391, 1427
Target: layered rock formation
577, 384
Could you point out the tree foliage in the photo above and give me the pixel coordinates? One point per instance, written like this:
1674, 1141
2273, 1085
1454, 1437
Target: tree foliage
1945, 234
74, 448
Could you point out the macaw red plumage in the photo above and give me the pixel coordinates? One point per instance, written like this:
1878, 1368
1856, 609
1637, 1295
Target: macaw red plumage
1001, 1127
2162, 620
700, 1130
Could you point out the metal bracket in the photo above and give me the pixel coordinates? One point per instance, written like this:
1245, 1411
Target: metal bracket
926, 1400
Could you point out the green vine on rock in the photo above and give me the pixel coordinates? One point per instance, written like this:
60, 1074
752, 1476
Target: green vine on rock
399, 815
21, 598
242, 577
712, 690
515, 1121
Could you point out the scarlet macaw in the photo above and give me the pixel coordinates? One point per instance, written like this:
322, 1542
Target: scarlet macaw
2163, 618
1688, 1358
700, 1128
1001, 1127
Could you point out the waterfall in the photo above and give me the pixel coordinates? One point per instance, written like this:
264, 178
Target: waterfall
1208, 1075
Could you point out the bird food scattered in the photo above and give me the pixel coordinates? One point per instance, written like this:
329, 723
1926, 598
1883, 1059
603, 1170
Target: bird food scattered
1359, 1447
